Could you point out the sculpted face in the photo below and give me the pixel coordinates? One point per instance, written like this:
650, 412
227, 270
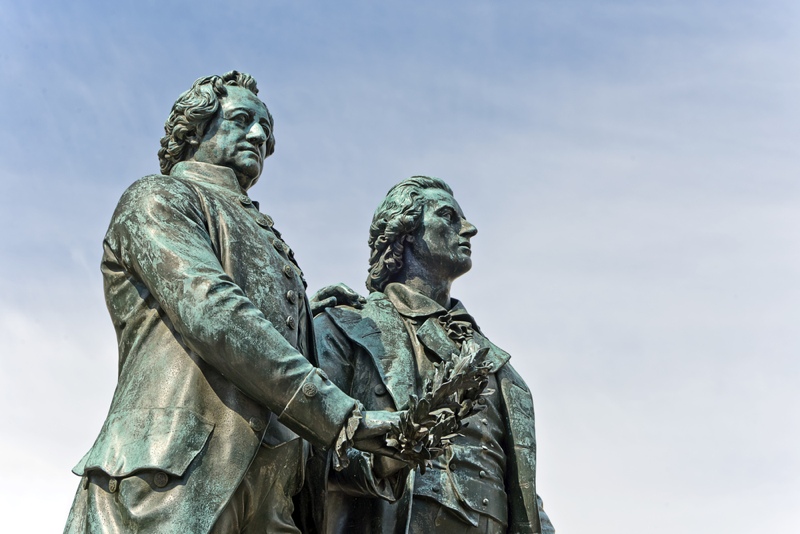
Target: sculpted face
441, 245
237, 136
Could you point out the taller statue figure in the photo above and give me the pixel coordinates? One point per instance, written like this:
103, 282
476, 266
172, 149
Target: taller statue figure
217, 380
486, 483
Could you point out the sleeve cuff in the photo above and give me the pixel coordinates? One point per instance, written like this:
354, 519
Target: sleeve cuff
344, 441
318, 409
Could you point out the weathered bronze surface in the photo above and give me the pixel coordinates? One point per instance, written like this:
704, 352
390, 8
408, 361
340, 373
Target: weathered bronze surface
383, 353
217, 386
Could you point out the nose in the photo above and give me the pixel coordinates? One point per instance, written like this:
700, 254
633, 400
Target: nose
256, 134
468, 229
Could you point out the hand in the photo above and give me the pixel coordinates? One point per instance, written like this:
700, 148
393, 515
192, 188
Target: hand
383, 466
337, 294
370, 435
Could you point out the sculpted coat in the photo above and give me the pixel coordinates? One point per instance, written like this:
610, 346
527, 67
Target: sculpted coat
215, 356
369, 354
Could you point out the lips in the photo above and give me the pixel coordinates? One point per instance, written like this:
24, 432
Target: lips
251, 148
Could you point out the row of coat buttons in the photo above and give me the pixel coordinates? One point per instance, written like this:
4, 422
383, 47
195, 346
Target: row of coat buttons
263, 219
280, 246
291, 296
266, 221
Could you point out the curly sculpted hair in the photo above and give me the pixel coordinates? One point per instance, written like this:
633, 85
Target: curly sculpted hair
398, 216
194, 109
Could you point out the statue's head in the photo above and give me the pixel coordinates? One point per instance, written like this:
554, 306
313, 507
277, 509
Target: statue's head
221, 121
419, 221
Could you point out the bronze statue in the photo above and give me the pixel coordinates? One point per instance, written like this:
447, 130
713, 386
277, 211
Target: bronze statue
381, 354
217, 379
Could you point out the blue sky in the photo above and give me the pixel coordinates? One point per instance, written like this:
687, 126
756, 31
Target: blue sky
631, 168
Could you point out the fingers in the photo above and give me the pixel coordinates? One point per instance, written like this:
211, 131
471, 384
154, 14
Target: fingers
372, 429
342, 295
317, 306
359, 303
383, 466
349, 297
375, 447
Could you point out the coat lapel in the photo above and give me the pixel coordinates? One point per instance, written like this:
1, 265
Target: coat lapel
433, 336
379, 329
496, 356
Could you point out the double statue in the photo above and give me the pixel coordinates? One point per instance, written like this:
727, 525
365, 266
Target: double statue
242, 406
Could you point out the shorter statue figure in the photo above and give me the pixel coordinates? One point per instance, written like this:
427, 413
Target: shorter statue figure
387, 351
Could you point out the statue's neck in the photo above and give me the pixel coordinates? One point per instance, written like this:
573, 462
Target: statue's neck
436, 290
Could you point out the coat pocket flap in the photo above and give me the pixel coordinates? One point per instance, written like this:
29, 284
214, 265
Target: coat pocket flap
167, 439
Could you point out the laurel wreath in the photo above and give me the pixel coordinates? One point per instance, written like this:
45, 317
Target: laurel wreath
430, 424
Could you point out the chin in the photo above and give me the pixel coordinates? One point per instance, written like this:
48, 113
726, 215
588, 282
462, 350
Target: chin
462, 268
248, 178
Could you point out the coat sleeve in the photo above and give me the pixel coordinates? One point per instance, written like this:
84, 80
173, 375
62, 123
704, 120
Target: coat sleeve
526, 513
544, 519
160, 235
338, 356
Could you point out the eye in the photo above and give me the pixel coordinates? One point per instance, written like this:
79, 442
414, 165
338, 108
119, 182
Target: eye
240, 119
449, 214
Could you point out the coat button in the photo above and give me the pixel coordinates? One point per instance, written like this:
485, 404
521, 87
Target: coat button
485, 502
291, 296
160, 479
322, 374
484, 422
278, 245
245, 200
290, 322
264, 221
287, 271
452, 467
379, 390
257, 424
482, 474
435, 489
309, 389
112, 485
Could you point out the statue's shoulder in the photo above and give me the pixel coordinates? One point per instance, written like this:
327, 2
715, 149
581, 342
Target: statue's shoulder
507, 372
157, 191
157, 185
376, 311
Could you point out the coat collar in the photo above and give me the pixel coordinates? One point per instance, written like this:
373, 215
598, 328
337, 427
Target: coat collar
208, 173
380, 330
412, 304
